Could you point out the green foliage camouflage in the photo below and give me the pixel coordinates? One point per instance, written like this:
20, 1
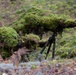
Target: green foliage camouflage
38, 17
32, 18
31, 40
33, 22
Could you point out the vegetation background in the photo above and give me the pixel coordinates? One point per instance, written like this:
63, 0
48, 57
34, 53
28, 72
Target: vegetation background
33, 18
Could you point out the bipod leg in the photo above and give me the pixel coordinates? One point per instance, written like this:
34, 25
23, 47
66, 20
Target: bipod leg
40, 54
48, 50
53, 51
50, 41
44, 47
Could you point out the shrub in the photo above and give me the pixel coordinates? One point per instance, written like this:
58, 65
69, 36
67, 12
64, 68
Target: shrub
31, 40
4, 53
8, 36
32, 19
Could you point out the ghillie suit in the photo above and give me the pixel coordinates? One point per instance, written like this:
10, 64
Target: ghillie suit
61, 25
40, 24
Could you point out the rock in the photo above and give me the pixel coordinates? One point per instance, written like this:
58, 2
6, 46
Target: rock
65, 73
58, 65
39, 73
74, 64
6, 66
56, 70
28, 69
4, 74
74, 69
44, 69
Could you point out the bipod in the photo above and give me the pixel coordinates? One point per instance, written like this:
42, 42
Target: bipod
50, 41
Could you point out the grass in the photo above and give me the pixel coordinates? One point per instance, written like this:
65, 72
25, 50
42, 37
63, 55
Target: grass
17, 10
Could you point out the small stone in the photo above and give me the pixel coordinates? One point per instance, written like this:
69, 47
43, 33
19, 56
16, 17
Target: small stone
26, 74
74, 64
58, 65
4, 74
56, 70
74, 69
39, 73
49, 66
28, 69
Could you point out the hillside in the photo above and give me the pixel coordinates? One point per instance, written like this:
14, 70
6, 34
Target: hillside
25, 28
8, 8
35, 18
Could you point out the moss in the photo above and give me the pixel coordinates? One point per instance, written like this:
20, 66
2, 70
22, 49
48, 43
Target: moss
32, 20
70, 23
4, 53
33, 67
31, 40
66, 45
39, 24
35, 10
33, 37
8, 36
54, 23
19, 27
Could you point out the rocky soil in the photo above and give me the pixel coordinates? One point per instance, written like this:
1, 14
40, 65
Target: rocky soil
46, 67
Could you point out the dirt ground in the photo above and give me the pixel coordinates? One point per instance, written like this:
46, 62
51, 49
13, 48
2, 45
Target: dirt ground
54, 67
